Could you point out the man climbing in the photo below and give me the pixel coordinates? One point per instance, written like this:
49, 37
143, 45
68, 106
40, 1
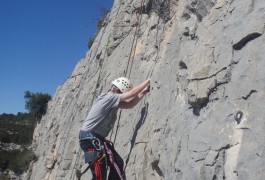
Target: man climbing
99, 152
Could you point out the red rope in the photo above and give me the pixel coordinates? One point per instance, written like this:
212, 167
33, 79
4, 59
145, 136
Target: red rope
98, 171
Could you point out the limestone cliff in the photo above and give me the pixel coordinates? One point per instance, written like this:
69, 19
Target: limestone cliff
204, 117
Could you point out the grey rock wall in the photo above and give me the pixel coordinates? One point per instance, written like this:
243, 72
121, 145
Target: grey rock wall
204, 117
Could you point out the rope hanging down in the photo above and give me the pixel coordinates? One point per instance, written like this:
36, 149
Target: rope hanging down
135, 39
133, 49
130, 60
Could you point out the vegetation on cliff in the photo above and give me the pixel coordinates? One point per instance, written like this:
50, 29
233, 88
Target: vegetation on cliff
16, 132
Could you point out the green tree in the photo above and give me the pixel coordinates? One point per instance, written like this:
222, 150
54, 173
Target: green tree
36, 103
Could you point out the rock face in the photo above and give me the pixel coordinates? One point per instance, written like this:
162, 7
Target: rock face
204, 117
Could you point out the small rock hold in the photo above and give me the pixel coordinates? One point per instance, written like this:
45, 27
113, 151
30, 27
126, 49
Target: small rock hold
153, 27
182, 65
186, 31
238, 116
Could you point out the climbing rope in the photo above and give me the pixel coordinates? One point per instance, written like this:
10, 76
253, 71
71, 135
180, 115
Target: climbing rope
130, 59
135, 39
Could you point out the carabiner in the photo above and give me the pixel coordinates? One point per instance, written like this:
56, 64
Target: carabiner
96, 144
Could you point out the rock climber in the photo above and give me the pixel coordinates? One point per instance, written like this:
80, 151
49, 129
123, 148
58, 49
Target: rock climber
99, 152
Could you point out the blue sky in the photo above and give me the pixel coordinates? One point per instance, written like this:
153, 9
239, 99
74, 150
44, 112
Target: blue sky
41, 41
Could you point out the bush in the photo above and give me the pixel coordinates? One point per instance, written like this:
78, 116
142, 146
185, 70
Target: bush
36, 103
90, 42
103, 12
18, 129
16, 160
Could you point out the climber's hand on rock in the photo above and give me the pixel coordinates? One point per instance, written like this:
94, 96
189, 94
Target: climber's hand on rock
146, 89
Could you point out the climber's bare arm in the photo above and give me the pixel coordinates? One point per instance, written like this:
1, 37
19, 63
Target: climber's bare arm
134, 92
134, 101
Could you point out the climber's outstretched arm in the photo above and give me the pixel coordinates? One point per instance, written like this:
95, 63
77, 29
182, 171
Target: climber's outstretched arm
134, 95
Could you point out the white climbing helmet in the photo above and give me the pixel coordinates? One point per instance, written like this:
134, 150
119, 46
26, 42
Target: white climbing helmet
123, 84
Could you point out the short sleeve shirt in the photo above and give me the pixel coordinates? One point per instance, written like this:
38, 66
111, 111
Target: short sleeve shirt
103, 114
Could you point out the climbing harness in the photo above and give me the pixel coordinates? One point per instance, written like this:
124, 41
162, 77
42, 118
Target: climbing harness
96, 155
92, 155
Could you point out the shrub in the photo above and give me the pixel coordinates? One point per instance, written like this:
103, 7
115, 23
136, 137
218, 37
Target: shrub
103, 12
16, 160
36, 103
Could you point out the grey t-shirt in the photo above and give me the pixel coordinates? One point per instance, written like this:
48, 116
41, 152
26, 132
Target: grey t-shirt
102, 115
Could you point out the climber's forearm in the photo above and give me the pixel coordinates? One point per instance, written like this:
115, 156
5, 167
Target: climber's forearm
133, 102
